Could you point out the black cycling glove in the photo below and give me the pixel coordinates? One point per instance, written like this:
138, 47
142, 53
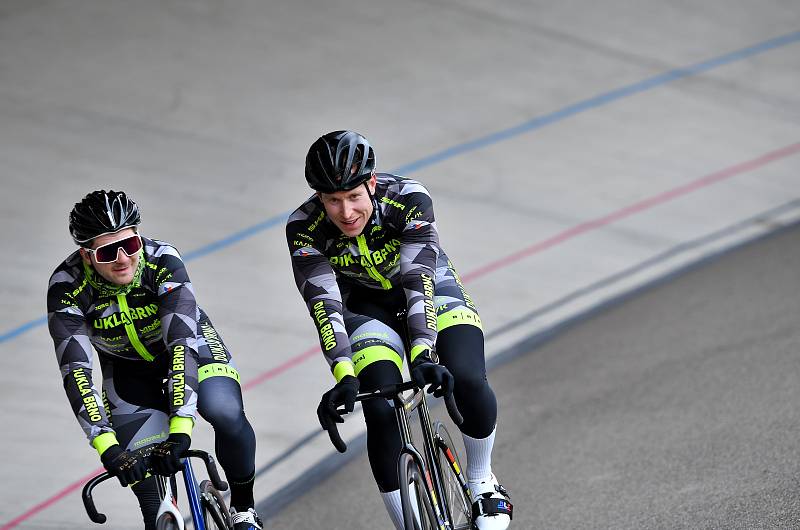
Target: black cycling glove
344, 393
166, 456
426, 372
128, 467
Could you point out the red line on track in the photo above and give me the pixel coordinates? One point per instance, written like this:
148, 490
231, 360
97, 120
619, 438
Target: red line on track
52, 500
274, 372
645, 204
536, 248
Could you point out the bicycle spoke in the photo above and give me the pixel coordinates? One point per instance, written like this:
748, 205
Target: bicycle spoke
458, 503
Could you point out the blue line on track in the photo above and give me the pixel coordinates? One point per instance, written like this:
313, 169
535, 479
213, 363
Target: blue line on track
235, 238
493, 138
23, 328
599, 101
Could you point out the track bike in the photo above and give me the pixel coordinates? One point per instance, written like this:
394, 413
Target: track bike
206, 504
433, 491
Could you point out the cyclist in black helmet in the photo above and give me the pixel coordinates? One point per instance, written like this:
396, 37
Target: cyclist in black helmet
130, 298
363, 247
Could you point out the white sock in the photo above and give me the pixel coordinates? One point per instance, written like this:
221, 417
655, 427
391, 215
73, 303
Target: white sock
395, 508
479, 456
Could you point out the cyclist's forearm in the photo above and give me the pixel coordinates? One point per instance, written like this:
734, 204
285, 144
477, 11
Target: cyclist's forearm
178, 313
86, 402
182, 387
333, 339
419, 280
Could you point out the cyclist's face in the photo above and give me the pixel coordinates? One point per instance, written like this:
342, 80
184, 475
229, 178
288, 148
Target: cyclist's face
350, 210
119, 272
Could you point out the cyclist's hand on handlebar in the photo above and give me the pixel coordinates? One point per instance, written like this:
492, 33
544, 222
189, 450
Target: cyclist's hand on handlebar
166, 456
344, 393
127, 466
426, 372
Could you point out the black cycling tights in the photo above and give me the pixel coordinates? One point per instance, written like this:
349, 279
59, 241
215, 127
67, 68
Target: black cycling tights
149, 501
460, 348
219, 403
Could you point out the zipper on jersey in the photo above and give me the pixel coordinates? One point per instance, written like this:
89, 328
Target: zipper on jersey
131, 330
372, 271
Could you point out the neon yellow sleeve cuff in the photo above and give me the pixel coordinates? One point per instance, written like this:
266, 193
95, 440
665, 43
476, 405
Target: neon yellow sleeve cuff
416, 350
343, 369
104, 441
179, 424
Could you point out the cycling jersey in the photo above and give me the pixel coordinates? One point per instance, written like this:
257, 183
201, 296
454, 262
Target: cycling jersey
399, 247
154, 317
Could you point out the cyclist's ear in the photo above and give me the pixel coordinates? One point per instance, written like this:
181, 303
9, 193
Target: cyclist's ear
85, 256
372, 183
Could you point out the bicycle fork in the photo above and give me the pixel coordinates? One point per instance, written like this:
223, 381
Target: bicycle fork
164, 485
169, 499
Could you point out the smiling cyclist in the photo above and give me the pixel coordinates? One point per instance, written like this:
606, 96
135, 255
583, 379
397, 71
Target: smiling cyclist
363, 247
130, 298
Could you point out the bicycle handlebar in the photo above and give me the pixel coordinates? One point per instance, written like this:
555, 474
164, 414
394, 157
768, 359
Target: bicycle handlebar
100, 518
390, 392
88, 502
452, 409
211, 468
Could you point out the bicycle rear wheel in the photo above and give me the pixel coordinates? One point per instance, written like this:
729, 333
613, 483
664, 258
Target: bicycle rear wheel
457, 503
167, 522
215, 511
418, 513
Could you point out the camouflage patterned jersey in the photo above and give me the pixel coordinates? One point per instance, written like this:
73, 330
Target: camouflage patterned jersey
154, 319
399, 247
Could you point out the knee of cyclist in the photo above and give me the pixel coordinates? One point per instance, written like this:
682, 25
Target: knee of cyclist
226, 416
470, 383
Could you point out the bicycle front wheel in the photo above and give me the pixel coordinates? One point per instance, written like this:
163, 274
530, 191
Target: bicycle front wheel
167, 521
215, 512
457, 502
418, 513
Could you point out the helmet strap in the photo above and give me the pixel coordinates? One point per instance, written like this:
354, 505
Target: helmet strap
374, 215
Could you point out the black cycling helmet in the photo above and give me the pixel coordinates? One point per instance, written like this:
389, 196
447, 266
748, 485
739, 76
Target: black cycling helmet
339, 161
102, 212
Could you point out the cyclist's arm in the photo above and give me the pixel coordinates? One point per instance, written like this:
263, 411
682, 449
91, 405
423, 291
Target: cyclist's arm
67, 325
177, 310
419, 250
317, 284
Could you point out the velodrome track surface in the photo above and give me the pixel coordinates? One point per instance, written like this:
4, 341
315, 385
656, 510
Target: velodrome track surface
676, 408
574, 151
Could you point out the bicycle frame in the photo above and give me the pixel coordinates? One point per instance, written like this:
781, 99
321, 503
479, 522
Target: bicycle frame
427, 462
194, 498
165, 491
404, 406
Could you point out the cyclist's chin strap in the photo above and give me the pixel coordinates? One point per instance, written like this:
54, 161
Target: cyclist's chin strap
374, 215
